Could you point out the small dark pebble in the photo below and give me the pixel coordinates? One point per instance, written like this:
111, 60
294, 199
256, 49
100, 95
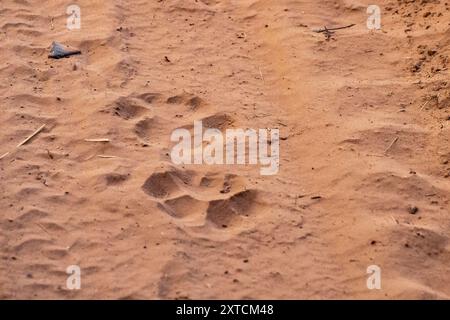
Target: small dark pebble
413, 209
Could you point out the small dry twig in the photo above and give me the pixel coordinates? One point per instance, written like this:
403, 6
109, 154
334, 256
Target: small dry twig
391, 145
330, 31
428, 101
325, 29
31, 136
260, 73
4, 155
97, 140
106, 156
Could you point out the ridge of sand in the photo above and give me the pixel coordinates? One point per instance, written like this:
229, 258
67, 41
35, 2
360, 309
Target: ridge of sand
140, 227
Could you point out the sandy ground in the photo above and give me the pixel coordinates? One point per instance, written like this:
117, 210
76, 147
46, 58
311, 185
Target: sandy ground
364, 125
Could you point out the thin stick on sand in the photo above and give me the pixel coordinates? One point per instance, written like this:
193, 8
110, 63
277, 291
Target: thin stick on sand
97, 140
31, 136
260, 73
106, 156
390, 146
4, 155
393, 219
329, 32
424, 105
326, 29
428, 101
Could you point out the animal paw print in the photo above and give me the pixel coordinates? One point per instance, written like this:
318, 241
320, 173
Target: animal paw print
203, 203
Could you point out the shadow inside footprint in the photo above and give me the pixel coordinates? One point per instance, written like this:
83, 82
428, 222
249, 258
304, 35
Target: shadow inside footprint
166, 184
149, 97
224, 213
185, 207
127, 108
149, 128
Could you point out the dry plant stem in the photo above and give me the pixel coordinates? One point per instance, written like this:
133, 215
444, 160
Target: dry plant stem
391, 145
31, 136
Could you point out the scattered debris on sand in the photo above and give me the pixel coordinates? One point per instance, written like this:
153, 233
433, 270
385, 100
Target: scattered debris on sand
58, 51
329, 32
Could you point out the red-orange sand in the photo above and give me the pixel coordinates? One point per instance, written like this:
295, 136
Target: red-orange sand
364, 129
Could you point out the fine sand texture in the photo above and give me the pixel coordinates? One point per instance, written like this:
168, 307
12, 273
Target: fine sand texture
364, 175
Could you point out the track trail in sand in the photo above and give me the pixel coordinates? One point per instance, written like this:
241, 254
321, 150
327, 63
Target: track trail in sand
141, 227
